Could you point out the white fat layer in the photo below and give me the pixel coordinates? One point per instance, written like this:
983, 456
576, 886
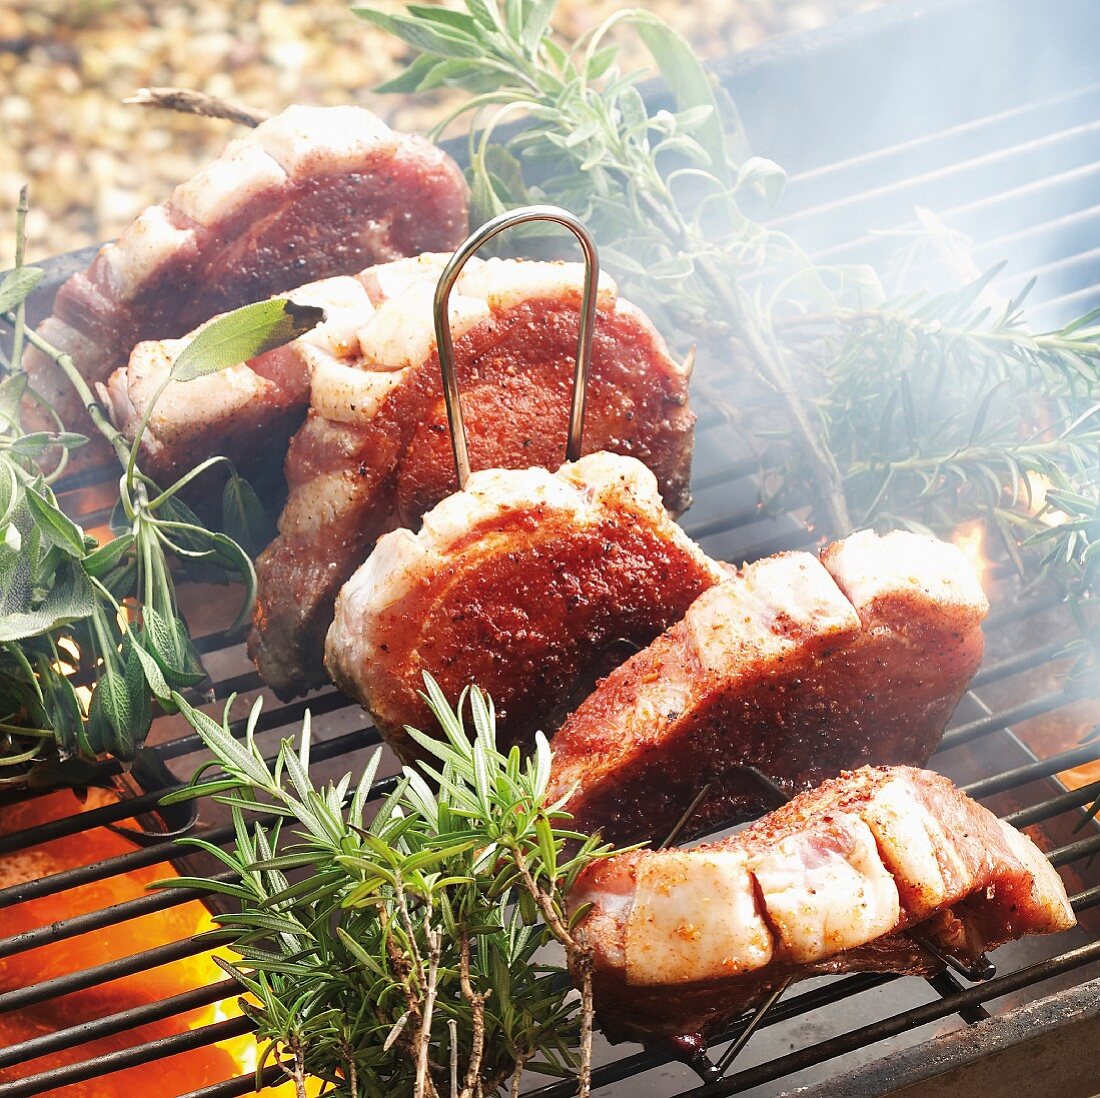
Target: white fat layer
694, 918
772, 608
347, 394
1047, 889
182, 405
306, 513
347, 307
826, 890
390, 279
868, 567
504, 283
917, 850
491, 494
147, 242
242, 171
401, 332
331, 138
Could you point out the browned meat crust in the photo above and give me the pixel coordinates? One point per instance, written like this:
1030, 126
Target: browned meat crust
517, 584
352, 482
311, 192
826, 884
786, 668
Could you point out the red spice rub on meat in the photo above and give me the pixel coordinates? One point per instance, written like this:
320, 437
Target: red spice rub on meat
797, 666
685, 940
375, 452
312, 192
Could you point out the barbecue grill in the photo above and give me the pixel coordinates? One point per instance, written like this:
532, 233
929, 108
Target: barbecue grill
986, 112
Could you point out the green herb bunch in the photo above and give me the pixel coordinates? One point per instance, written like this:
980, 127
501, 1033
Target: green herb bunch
410, 957
76, 613
923, 410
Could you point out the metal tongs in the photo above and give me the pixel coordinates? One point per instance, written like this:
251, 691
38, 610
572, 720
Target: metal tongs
445, 344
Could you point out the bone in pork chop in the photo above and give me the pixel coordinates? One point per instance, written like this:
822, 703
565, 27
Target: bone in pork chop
246, 412
517, 584
685, 940
312, 192
375, 453
796, 666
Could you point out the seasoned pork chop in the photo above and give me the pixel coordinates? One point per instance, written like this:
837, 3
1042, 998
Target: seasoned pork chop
796, 666
685, 940
312, 192
375, 453
517, 583
246, 412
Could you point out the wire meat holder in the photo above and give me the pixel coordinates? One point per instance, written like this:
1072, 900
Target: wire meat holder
441, 318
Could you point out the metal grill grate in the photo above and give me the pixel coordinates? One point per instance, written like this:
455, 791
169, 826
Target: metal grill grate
1011, 165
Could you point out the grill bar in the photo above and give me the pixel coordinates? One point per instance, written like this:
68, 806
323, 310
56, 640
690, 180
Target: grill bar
34, 994
900, 1023
44, 1082
117, 1023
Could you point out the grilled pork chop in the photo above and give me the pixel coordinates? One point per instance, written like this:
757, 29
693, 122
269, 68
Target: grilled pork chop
246, 412
374, 453
796, 666
684, 940
312, 192
517, 583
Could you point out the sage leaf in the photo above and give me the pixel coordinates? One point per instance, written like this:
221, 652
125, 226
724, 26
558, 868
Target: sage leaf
17, 285
70, 599
690, 84
243, 334
107, 556
244, 517
56, 527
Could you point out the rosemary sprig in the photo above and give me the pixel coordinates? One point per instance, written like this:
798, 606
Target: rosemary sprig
409, 959
915, 410
91, 637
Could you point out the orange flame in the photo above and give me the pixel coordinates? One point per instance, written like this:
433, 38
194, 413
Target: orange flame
970, 538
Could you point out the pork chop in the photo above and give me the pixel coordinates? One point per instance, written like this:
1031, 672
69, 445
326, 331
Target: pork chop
517, 584
798, 666
311, 192
374, 453
246, 412
684, 940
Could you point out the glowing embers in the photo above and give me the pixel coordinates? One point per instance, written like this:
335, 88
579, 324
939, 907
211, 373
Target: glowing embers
161, 1078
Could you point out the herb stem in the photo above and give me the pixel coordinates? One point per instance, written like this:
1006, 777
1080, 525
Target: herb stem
20, 256
91, 405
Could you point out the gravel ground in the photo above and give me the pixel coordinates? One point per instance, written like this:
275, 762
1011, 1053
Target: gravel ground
93, 163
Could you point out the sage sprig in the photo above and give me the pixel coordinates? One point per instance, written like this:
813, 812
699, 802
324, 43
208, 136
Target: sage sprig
92, 641
408, 952
871, 407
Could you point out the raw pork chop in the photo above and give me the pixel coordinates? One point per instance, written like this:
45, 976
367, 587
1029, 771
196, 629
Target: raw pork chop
797, 666
374, 453
684, 940
312, 192
246, 412
517, 584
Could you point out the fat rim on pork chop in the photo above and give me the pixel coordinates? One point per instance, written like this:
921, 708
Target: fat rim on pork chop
374, 453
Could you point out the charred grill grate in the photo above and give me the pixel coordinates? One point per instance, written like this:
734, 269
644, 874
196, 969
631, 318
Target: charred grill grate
1011, 159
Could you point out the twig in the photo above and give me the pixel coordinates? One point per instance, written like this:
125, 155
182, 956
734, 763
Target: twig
193, 102
452, 1028
20, 256
517, 1078
582, 960
545, 904
477, 1011
424, 1085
